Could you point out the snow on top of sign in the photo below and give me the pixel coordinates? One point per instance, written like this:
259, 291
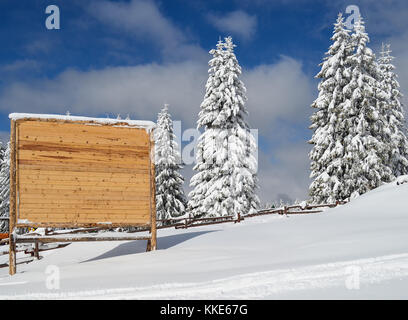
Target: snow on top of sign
134, 123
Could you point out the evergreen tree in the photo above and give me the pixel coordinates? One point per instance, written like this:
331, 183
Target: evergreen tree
351, 153
327, 154
393, 113
4, 187
226, 180
170, 199
365, 145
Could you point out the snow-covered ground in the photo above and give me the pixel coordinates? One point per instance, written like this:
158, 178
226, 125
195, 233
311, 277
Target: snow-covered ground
355, 251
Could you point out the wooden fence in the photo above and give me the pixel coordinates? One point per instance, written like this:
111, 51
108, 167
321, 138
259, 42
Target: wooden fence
64, 237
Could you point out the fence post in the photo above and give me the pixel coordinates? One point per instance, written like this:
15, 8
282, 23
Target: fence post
36, 250
13, 203
238, 218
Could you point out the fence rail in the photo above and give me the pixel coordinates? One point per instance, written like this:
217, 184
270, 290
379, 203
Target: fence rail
187, 222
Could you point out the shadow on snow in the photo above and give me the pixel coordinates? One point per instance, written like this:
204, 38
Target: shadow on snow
139, 246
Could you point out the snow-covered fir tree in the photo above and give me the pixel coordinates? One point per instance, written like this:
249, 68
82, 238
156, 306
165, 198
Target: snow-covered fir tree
365, 146
226, 180
4, 187
394, 114
327, 154
351, 153
170, 198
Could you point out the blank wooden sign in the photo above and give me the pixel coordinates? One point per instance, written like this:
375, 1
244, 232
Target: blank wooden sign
78, 171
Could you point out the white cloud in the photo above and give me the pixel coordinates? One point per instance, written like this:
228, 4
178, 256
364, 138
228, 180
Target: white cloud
276, 92
139, 91
286, 175
139, 17
143, 20
21, 65
236, 22
42, 45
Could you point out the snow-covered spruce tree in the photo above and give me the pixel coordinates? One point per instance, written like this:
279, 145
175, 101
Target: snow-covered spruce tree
366, 156
170, 199
4, 187
351, 150
393, 113
327, 155
226, 180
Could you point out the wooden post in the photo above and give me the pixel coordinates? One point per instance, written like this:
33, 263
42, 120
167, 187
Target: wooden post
36, 250
12, 221
153, 222
238, 218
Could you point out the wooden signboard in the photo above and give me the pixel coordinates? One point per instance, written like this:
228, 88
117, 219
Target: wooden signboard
73, 172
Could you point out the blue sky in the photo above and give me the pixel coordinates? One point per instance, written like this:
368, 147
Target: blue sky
130, 57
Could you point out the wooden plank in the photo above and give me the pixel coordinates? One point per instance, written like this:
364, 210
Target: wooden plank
76, 150
75, 140
115, 176
30, 211
152, 195
50, 239
30, 184
80, 189
77, 181
56, 202
109, 196
78, 225
85, 218
84, 185
72, 158
32, 142
84, 194
39, 167
113, 135
101, 218
85, 214
101, 206
82, 166
59, 223
73, 163
84, 224
69, 180
83, 207
85, 125
35, 144
125, 220
13, 213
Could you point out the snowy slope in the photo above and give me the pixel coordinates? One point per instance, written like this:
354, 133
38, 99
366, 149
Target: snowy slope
276, 257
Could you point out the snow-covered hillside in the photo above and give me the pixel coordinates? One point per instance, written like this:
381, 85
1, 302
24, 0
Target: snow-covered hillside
310, 256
